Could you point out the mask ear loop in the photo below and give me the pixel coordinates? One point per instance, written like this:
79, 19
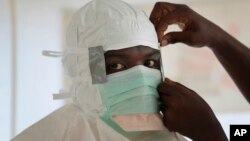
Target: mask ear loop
62, 94
76, 81
52, 53
161, 63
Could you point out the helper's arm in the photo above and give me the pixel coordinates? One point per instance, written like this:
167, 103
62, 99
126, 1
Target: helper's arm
199, 32
235, 57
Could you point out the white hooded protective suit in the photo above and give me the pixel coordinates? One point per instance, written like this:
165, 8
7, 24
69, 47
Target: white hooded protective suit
113, 25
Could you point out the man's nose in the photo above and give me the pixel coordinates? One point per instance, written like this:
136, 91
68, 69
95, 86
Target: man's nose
136, 63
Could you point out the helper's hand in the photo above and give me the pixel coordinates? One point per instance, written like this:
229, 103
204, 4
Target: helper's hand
187, 113
197, 31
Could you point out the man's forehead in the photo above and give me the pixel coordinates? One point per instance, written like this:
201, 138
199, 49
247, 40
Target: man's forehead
143, 50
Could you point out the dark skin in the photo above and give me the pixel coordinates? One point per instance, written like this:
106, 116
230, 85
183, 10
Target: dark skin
179, 114
198, 32
119, 60
187, 113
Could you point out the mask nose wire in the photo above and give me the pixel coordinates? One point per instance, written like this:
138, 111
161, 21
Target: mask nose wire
161, 63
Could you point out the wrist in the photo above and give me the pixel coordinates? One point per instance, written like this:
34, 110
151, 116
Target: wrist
213, 132
220, 41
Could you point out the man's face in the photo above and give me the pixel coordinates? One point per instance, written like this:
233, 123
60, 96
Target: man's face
119, 60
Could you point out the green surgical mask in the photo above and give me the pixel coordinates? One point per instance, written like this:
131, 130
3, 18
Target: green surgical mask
132, 91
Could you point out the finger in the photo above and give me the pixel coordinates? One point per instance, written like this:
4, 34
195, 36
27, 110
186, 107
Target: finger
168, 81
165, 101
163, 108
156, 14
176, 37
164, 118
165, 89
160, 9
162, 26
178, 87
175, 17
171, 85
182, 26
167, 121
172, 89
184, 87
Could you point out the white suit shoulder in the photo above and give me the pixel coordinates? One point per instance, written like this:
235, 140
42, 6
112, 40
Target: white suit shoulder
57, 126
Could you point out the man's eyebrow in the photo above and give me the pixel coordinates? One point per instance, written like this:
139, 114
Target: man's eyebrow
116, 55
154, 53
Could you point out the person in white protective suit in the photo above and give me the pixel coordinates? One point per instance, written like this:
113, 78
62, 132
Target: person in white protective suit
113, 100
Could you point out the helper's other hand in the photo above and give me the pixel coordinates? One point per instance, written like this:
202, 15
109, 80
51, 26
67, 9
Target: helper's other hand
184, 111
197, 31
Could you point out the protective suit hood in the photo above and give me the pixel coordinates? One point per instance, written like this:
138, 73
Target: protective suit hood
99, 26
112, 24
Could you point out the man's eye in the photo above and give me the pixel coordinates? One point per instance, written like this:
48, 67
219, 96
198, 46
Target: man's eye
116, 66
151, 63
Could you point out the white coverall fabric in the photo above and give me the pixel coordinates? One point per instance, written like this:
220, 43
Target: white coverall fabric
69, 123
114, 25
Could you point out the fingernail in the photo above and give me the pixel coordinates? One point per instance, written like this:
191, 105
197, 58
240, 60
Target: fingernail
167, 79
164, 42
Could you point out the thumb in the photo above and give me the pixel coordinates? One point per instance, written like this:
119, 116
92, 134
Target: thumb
176, 37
